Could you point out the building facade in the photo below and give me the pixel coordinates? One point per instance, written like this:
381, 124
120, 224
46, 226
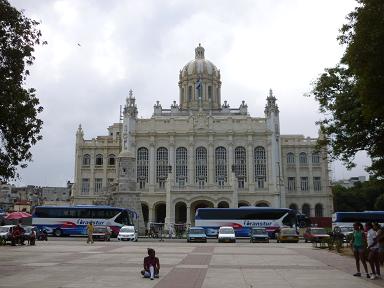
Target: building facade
201, 153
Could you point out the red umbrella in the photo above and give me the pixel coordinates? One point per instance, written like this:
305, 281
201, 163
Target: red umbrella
17, 215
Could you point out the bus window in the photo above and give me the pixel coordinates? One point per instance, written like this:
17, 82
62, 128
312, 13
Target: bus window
84, 213
98, 214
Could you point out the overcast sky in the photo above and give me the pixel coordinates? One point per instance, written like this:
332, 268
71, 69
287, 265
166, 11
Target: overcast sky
98, 50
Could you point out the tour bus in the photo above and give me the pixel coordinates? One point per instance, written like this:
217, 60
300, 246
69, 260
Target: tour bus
341, 219
73, 220
244, 218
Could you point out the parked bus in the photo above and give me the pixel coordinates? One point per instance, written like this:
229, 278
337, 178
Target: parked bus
244, 218
73, 220
340, 219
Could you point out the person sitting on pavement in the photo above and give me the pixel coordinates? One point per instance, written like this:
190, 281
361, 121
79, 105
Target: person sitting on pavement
151, 265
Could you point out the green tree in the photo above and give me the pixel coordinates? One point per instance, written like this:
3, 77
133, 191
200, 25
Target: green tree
19, 106
350, 95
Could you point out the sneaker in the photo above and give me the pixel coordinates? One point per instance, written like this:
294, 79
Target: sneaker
157, 276
142, 272
151, 278
368, 276
358, 274
373, 277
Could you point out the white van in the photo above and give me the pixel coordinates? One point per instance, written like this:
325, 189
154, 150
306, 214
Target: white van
226, 234
128, 233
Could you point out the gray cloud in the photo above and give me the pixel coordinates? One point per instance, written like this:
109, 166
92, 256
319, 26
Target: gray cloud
98, 50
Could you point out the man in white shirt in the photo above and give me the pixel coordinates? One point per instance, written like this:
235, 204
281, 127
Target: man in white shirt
373, 248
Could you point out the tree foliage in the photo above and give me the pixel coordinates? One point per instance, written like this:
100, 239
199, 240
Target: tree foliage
350, 95
19, 106
362, 197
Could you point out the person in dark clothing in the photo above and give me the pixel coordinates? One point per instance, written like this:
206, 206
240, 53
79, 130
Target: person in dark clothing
151, 265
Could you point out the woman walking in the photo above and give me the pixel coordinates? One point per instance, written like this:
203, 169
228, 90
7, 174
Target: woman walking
358, 245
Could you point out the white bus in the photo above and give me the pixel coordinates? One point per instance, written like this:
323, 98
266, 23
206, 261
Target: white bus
244, 218
73, 220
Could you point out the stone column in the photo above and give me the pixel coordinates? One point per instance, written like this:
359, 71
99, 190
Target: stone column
191, 164
188, 215
152, 167
250, 168
235, 195
169, 209
150, 214
211, 164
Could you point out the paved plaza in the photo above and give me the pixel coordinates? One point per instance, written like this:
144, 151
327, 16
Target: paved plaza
73, 263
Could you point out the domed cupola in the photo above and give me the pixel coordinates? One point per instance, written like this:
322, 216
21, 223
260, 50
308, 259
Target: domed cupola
199, 83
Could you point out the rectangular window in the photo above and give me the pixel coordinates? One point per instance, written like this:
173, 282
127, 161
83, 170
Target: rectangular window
189, 93
260, 183
317, 183
304, 183
162, 184
291, 183
85, 186
209, 92
98, 185
110, 181
240, 183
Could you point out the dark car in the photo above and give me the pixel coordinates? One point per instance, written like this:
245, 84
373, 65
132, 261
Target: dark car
102, 233
196, 234
258, 235
315, 235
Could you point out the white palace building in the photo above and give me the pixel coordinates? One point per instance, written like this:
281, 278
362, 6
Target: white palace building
200, 153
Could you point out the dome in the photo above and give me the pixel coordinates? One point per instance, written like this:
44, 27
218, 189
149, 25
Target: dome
200, 65
199, 83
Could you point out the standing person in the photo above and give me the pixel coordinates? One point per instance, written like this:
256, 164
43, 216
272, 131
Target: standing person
380, 240
90, 229
358, 245
373, 251
151, 265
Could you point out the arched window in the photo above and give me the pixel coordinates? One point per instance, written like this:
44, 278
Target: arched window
290, 158
99, 160
142, 167
241, 166
294, 207
111, 160
161, 166
306, 210
260, 166
319, 210
201, 166
181, 166
262, 204
221, 165
86, 160
303, 158
315, 158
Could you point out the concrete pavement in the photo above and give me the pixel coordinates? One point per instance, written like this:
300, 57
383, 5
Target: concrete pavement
73, 263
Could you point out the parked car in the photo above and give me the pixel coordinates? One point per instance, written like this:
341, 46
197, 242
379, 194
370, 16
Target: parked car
315, 234
258, 235
226, 234
347, 232
196, 234
102, 233
127, 233
287, 235
6, 232
30, 233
